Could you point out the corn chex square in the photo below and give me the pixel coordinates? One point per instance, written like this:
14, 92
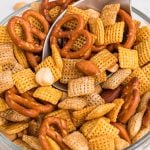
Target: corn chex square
81, 86
104, 60
69, 70
114, 33
48, 94
4, 36
128, 58
24, 80
143, 49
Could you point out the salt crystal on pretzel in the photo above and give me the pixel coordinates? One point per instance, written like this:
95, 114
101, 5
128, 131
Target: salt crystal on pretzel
24, 80
49, 62
65, 115
109, 14
113, 114
3, 105
116, 79
48, 94
103, 142
75, 103
97, 28
128, 58
144, 82
120, 143
143, 52
14, 128
20, 56
146, 70
32, 141
22, 144
114, 33
13, 116
94, 99
6, 81
104, 59
100, 111
98, 127
76, 141
135, 123
81, 86
4, 36
143, 34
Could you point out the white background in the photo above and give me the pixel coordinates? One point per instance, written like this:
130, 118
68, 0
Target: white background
6, 6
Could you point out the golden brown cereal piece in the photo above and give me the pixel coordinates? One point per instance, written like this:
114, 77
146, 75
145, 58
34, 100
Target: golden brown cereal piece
79, 116
70, 71
22, 144
3, 105
101, 77
100, 111
128, 58
20, 56
49, 62
143, 52
94, 99
32, 141
6, 81
114, 33
17, 68
20, 134
92, 13
36, 6
120, 143
109, 14
134, 124
113, 114
3, 121
76, 141
48, 93
104, 59
146, 70
4, 36
11, 137
143, 34
116, 79
74, 103
97, 28
140, 134
144, 102
54, 12
81, 86
19, 5
12, 115
24, 80
52, 144
103, 142
14, 128
97, 128
143, 80
56, 57
63, 114
6, 55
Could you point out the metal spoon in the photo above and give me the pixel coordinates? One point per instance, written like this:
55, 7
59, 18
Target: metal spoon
93, 4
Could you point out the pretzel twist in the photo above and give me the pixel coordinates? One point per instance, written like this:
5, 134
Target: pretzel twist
72, 36
27, 107
47, 130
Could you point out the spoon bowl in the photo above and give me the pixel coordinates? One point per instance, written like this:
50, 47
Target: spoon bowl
84, 4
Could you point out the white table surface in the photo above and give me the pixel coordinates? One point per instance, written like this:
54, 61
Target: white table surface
6, 6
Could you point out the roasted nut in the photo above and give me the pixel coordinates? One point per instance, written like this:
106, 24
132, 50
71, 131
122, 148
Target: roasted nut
87, 67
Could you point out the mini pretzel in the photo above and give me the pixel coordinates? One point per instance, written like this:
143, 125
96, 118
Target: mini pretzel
25, 106
131, 96
47, 130
72, 36
46, 6
131, 29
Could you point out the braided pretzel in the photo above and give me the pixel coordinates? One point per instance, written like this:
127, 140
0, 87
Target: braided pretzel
72, 36
131, 27
46, 6
47, 130
131, 96
25, 106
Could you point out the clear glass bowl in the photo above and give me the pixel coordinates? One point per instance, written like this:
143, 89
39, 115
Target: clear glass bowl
142, 144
